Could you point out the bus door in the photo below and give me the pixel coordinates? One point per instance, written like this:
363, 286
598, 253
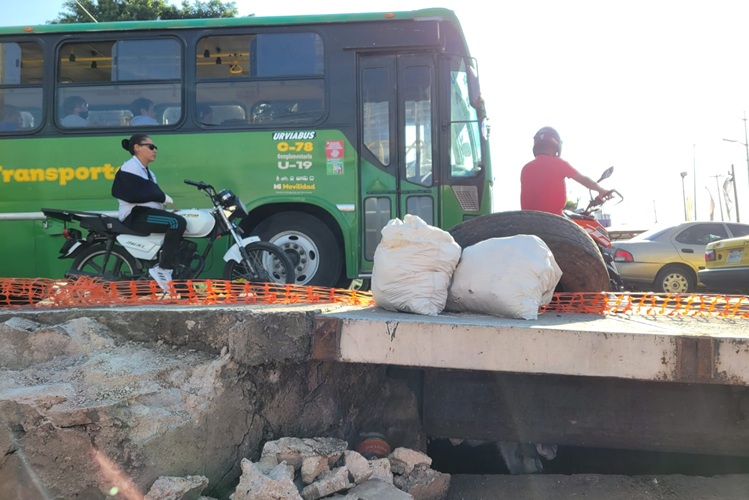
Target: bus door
397, 177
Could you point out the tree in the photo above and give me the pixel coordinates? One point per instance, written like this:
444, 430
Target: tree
200, 10
87, 11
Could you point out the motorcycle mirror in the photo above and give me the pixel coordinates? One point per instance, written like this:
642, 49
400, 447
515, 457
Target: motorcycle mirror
606, 173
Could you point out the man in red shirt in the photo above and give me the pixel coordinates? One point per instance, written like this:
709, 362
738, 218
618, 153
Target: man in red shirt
542, 181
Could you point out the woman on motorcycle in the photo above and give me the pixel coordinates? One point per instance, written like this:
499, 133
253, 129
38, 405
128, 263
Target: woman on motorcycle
142, 202
542, 181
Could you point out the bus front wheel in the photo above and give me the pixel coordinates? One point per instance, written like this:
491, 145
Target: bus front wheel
309, 243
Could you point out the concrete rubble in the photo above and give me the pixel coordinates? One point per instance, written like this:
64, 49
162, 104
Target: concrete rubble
346, 475
177, 488
178, 405
339, 473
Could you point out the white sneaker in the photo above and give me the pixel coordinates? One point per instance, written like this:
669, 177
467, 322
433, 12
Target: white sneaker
162, 276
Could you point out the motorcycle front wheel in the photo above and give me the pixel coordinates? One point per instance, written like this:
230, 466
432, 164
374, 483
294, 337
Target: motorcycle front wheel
268, 264
92, 262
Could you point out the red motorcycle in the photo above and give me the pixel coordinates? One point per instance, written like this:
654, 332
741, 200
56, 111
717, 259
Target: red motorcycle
598, 232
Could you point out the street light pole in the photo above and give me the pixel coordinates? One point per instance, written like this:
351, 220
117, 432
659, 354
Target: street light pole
717, 189
746, 146
735, 194
684, 195
694, 179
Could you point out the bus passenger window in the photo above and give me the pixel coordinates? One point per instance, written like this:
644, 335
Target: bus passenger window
123, 83
286, 54
146, 60
286, 90
21, 70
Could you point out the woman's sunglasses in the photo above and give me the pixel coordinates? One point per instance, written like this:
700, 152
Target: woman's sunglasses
152, 147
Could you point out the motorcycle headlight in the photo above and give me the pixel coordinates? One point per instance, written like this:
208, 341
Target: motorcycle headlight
227, 199
232, 205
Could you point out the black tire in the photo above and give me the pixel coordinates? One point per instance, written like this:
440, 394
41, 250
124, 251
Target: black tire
121, 266
270, 264
309, 243
577, 255
675, 278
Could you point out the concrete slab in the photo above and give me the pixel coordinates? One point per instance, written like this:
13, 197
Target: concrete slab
653, 348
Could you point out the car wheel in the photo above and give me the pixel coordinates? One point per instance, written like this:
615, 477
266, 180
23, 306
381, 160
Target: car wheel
675, 279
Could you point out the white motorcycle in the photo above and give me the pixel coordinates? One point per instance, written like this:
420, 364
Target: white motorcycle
113, 252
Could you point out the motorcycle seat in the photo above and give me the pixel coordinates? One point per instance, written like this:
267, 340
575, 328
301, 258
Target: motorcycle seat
108, 225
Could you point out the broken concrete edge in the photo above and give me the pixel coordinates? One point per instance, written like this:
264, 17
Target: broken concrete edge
253, 334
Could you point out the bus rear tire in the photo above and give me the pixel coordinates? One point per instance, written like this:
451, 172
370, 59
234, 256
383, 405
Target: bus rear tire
309, 243
583, 268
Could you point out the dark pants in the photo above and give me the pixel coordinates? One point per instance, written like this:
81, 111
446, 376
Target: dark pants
152, 220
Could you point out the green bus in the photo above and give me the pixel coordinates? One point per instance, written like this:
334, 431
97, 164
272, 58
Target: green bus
326, 126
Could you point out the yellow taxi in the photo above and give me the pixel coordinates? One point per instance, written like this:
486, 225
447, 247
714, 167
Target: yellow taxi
727, 266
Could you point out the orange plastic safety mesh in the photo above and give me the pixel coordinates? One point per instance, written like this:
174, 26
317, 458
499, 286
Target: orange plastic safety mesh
673, 304
86, 292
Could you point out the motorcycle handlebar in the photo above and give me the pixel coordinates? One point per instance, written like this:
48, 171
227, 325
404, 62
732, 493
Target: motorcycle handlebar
603, 198
200, 184
609, 195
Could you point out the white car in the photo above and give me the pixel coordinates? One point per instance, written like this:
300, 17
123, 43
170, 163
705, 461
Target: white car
668, 259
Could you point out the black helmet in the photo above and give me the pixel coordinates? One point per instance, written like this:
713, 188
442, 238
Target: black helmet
547, 141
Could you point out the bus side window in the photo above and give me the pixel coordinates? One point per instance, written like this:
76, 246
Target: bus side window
20, 86
273, 78
112, 75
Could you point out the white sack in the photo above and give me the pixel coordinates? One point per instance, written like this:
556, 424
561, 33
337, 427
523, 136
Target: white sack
413, 265
510, 277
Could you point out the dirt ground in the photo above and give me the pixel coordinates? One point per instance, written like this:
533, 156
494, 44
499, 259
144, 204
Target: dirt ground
597, 486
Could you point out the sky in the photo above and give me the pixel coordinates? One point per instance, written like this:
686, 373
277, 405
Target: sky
650, 87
